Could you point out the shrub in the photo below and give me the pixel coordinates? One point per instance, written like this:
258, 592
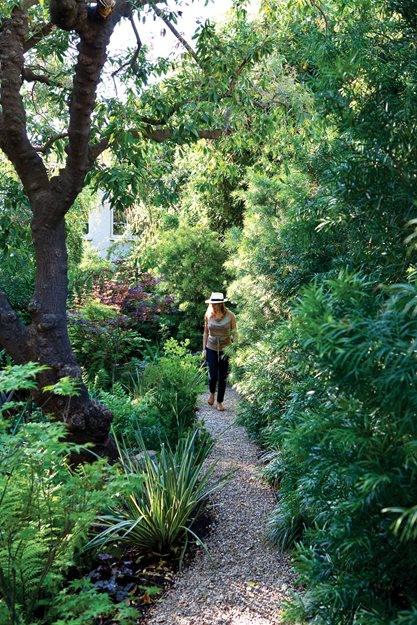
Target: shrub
133, 415
190, 260
175, 380
347, 444
165, 393
102, 340
134, 294
84, 276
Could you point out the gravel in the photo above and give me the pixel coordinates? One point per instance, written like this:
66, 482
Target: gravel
240, 581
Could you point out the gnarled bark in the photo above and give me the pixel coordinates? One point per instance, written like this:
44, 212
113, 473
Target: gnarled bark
46, 340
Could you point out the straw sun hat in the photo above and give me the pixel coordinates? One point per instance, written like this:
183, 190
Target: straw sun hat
216, 298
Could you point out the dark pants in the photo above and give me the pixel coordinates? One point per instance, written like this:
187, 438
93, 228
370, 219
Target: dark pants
218, 367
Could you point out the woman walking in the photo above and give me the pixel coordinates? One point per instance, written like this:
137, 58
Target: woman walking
219, 332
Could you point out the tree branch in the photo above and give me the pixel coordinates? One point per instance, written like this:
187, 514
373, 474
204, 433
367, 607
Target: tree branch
30, 76
68, 14
45, 147
172, 28
14, 336
96, 149
157, 135
38, 36
14, 139
134, 58
94, 38
158, 122
162, 135
317, 6
238, 72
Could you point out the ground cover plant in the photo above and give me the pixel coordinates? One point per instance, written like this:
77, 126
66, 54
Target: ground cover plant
47, 508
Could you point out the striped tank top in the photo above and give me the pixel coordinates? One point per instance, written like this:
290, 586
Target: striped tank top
219, 332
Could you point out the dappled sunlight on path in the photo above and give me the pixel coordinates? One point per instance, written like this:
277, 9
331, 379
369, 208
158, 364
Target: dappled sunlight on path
241, 581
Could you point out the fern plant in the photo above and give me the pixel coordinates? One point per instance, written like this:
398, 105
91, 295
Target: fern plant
82, 604
132, 414
46, 510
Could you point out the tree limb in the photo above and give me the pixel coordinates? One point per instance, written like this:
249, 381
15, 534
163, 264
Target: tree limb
166, 134
158, 135
45, 147
14, 336
13, 139
134, 58
94, 150
94, 38
172, 28
38, 36
68, 14
317, 6
238, 72
158, 122
30, 76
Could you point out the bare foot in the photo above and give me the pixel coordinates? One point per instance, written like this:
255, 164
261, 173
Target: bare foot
220, 407
210, 400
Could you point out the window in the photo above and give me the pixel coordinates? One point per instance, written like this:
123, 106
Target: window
118, 223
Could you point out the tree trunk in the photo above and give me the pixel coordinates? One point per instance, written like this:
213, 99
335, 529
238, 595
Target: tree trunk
46, 339
87, 420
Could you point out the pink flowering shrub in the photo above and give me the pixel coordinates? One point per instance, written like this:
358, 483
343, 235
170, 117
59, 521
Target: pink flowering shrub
135, 300
110, 331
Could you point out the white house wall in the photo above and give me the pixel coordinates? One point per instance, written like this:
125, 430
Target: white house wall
100, 231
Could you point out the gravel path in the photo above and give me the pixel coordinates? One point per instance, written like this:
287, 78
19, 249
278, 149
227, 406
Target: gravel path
242, 582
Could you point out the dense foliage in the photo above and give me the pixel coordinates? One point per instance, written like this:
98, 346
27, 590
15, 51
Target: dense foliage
46, 508
160, 399
190, 258
302, 212
52, 512
118, 312
326, 363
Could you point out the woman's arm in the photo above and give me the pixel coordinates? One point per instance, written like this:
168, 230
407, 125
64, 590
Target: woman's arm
205, 334
233, 328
